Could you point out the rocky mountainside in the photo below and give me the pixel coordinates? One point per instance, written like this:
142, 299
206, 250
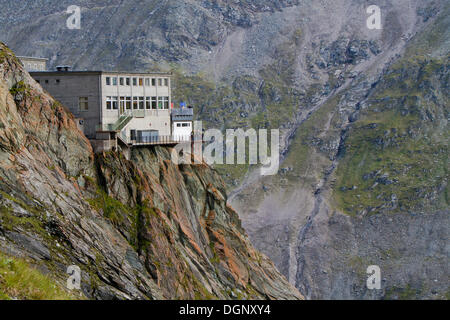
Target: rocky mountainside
364, 180
138, 229
363, 116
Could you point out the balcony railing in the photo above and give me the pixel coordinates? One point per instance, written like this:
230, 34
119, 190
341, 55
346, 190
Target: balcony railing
155, 140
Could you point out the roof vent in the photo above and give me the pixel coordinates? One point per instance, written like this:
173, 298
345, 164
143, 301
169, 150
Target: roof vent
63, 68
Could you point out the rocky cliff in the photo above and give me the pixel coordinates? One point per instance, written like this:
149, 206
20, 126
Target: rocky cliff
138, 229
362, 114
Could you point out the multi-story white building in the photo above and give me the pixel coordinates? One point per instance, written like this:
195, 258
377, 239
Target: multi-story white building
133, 107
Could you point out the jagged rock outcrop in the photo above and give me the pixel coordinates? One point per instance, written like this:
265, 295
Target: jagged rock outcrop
312, 69
139, 229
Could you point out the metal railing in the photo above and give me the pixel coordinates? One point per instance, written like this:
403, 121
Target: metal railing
154, 140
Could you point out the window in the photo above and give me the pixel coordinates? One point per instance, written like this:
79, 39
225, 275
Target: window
128, 103
148, 102
122, 104
160, 82
108, 103
83, 103
154, 104
160, 102
38, 81
178, 124
127, 81
165, 103
108, 81
135, 103
186, 125
141, 82
111, 103
141, 103
134, 81
121, 81
153, 82
114, 81
57, 81
166, 82
147, 82
115, 103
46, 81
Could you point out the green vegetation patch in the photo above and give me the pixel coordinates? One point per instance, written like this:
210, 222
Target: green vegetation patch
396, 154
18, 280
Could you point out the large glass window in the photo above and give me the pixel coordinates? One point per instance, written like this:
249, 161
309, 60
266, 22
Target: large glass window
135, 103
147, 82
154, 103
108, 81
127, 81
160, 102
83, 103
148, 103
153, 82
134, 81
121, 81
114, 81
128, 103
160, 82
122, 104
141, 82
141, 103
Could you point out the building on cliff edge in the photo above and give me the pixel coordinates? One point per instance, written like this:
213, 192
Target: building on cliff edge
120, 108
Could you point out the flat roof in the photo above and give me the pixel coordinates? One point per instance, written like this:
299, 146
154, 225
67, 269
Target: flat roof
34, 58
62, 73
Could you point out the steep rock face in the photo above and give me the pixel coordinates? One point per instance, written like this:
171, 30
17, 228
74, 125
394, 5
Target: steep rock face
144, 229
308, 69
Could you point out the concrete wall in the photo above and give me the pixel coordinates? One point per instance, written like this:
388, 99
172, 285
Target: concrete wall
69, 89
153, 120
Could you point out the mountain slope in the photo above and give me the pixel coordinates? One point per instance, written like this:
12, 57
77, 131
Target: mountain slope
340, 94
365, 182
139, 229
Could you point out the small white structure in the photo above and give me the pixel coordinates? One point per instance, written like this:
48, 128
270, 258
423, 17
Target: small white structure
182, 123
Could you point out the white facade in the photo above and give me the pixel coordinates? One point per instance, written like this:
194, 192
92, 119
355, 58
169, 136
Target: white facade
33, 63
146, 97
182, 129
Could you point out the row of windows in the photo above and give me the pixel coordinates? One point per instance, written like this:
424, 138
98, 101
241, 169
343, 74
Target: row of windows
57, 81
126, 81
35, 66
183, 125
137, 103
